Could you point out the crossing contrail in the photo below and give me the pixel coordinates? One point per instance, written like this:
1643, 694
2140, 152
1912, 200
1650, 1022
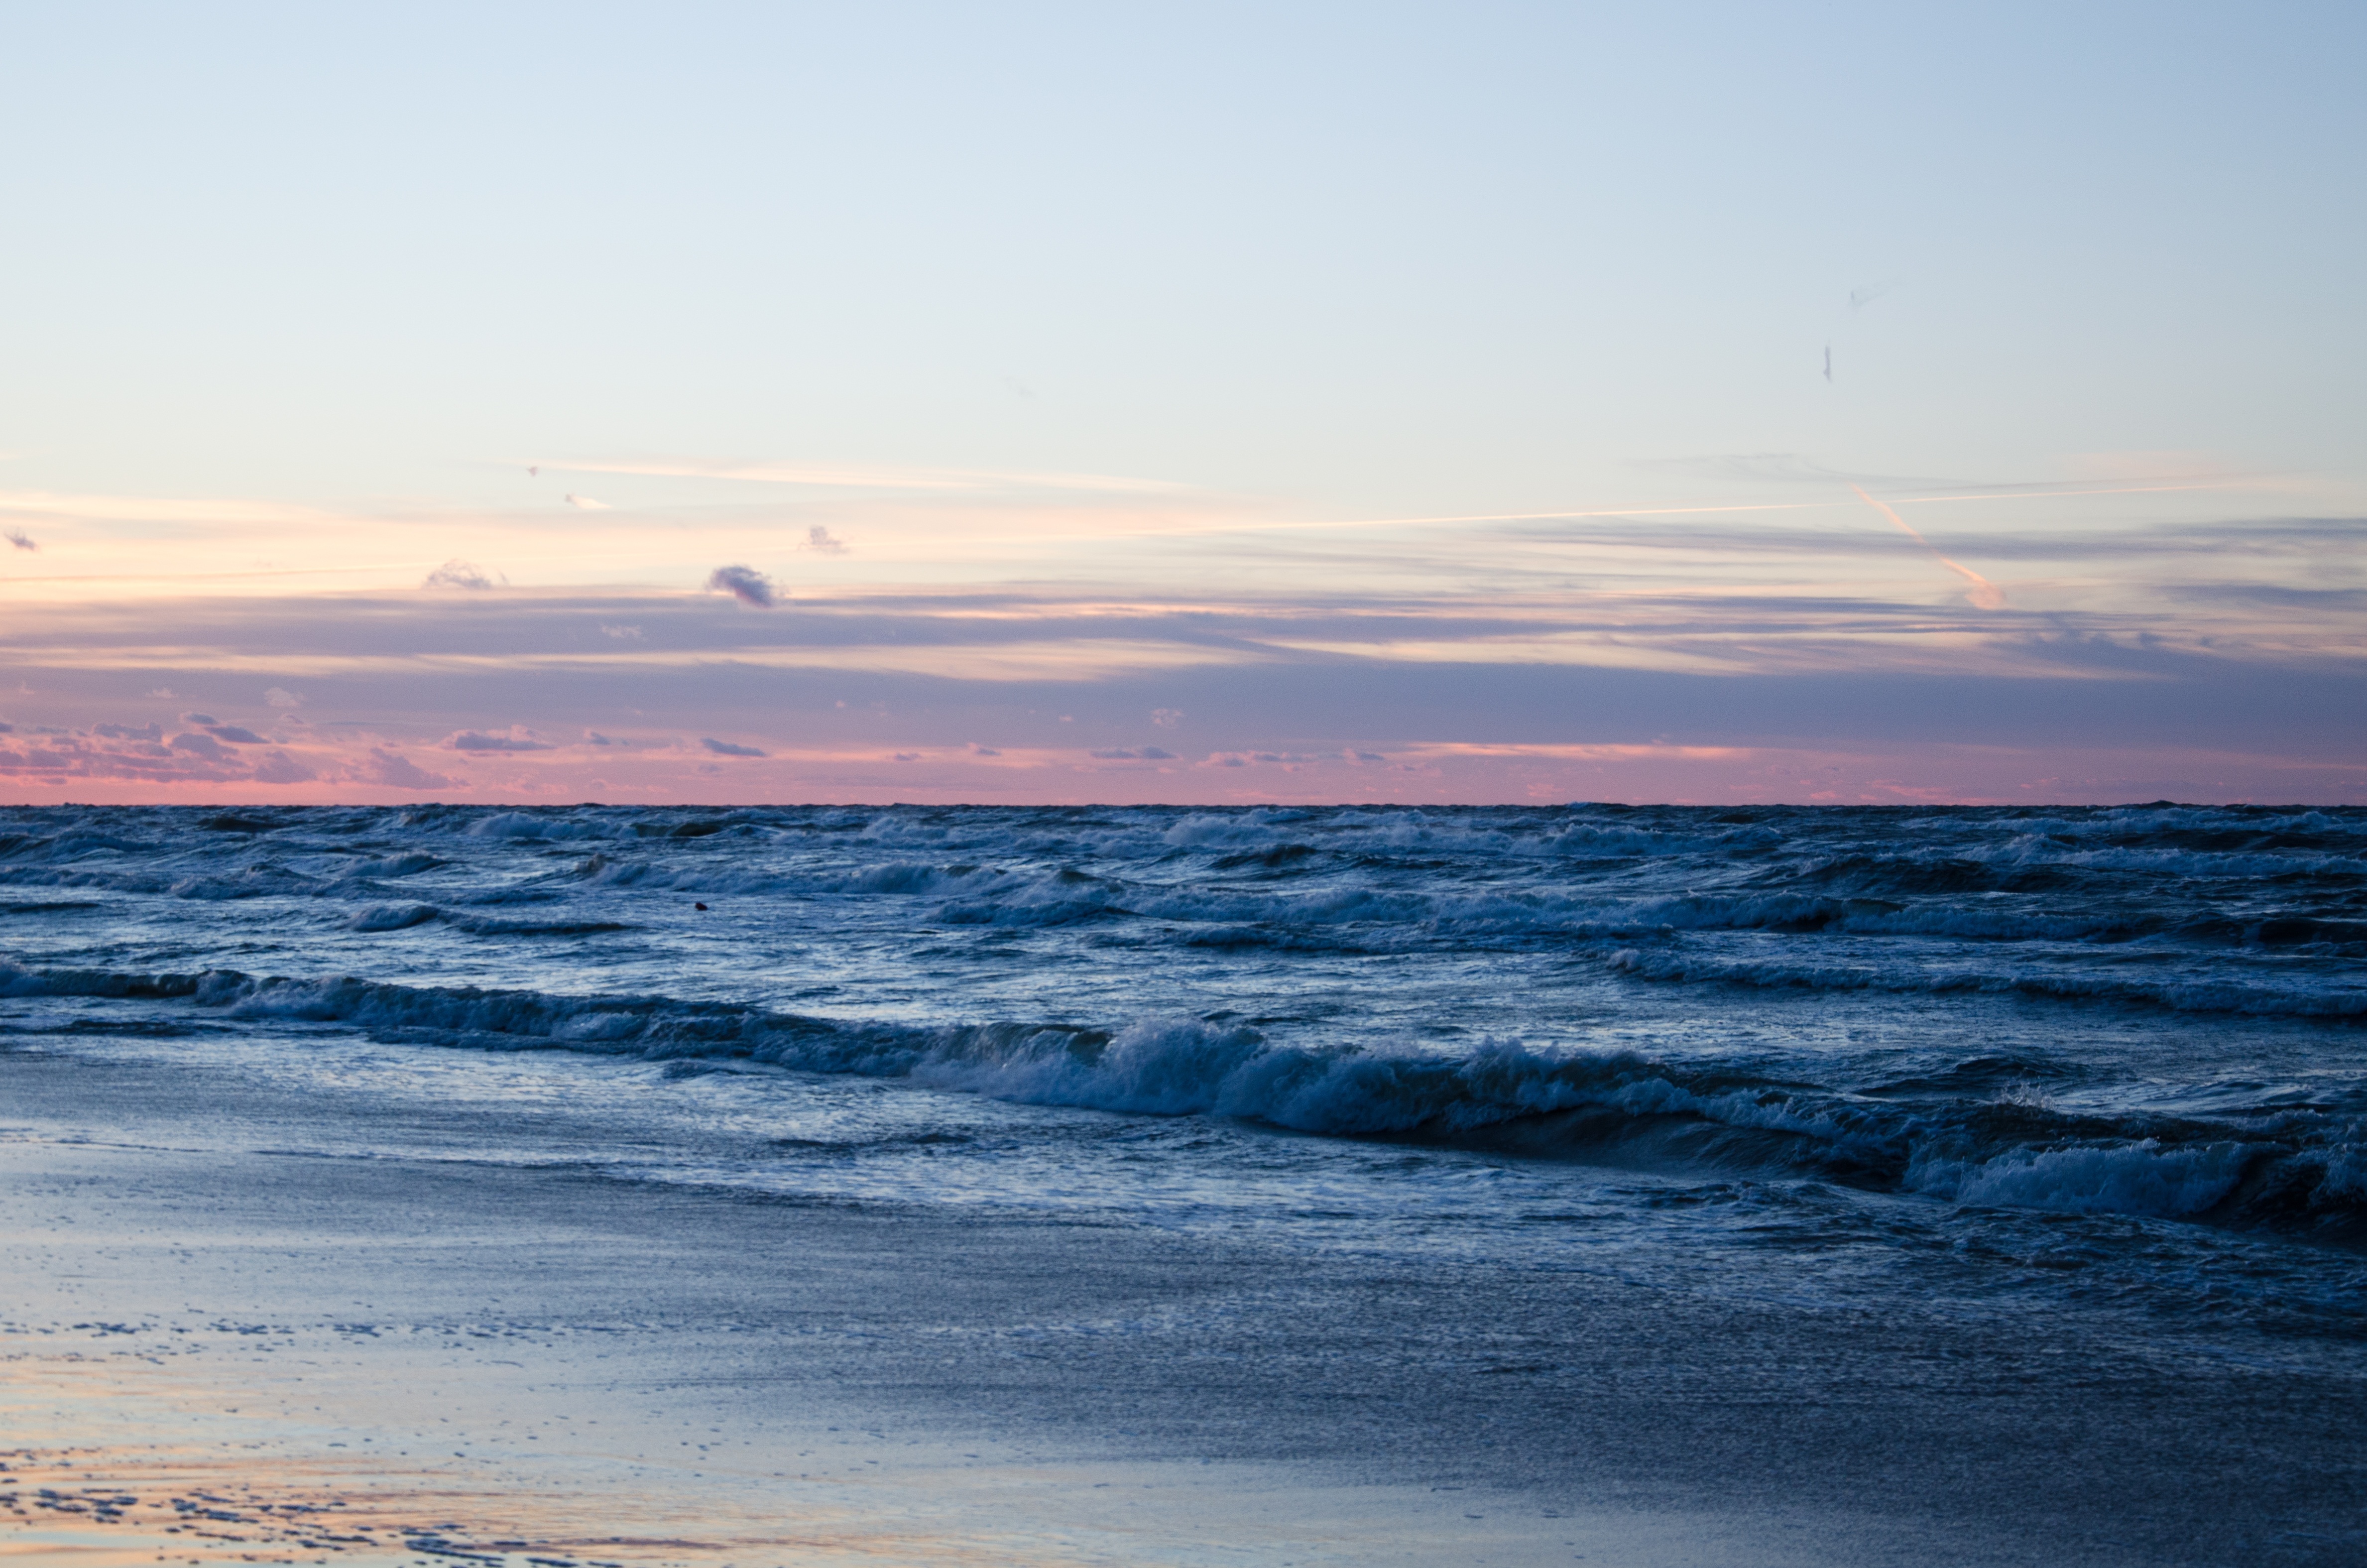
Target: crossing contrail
1984, 593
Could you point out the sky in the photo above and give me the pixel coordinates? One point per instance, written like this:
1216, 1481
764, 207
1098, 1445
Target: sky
1208, 403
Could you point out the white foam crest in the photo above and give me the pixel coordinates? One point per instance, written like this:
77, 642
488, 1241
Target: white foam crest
529, 824
1623, 839
75, 845
392, 917
1186, 1066
1228, 829
908, 876
2141, 1177
2036, 850
409, 865
255, 881
600, 871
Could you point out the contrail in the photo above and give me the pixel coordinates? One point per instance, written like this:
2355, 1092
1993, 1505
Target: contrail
1984, 593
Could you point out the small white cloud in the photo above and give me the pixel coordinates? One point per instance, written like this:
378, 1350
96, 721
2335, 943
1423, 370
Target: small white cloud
585, 503
458, 573
280, 697
162, 693
819, 539
621, 633
1167, 718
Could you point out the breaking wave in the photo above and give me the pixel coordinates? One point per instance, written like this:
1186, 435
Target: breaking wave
2283, 1166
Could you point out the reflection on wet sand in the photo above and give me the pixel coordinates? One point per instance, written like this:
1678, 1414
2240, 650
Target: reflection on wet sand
105, 1508
258, 1488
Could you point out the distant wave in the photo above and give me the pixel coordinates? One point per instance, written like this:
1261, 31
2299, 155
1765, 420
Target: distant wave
403, 916
2341, 996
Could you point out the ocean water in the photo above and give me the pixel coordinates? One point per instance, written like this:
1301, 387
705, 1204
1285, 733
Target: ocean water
2112, 1059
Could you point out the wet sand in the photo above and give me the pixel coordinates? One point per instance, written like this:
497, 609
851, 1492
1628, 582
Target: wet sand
279, 1355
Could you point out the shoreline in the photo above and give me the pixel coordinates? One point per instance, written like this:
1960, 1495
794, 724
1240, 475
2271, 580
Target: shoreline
930, 1385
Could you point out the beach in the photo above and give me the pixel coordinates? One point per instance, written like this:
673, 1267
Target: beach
551, 1363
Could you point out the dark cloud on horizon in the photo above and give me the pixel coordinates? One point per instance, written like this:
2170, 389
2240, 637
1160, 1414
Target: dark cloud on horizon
745, 584
726, 748
477, 740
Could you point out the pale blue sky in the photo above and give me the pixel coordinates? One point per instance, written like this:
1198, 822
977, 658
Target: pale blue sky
1421, 259
301, 290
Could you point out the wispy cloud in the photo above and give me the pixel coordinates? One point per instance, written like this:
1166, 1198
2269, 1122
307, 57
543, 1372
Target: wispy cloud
18, 538
160, 509
479, 740
727, 748
862, 477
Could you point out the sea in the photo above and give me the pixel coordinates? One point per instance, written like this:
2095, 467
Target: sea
2111, 1059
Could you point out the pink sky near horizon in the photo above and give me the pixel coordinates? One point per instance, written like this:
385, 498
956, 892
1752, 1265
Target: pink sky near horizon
1720, 656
